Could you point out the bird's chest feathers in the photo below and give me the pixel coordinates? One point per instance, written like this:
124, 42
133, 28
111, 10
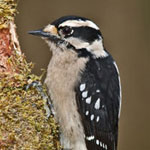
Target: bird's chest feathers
64, 71
62, 76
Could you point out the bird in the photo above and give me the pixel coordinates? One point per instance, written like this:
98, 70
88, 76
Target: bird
83, 82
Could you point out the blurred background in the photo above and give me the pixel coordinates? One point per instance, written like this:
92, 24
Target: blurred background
125, 25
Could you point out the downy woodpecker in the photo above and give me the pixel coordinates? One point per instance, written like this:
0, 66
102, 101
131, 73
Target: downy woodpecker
84, 84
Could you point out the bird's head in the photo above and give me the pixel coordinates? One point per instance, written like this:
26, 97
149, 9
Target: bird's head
73, 32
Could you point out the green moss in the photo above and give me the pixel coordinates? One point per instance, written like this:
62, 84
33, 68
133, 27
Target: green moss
23, 121
7, 11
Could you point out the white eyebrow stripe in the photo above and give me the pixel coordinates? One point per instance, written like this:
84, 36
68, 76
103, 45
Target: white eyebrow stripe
79, 23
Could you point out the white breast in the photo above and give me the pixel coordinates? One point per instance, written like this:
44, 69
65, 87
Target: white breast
62, 76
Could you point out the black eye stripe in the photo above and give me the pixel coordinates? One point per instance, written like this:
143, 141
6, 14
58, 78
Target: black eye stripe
86, 29
86, 33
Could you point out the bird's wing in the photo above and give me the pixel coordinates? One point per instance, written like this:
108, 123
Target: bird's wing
98, 100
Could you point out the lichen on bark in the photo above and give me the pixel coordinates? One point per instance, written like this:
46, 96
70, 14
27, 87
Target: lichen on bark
23, 121
7, 12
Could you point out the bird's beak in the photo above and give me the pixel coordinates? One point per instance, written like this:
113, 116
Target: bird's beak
39, 33
46, 32
49, 32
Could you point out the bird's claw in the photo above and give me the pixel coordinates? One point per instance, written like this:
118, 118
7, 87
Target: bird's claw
47, 102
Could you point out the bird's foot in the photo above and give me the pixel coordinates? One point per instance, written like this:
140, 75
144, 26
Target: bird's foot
47, 102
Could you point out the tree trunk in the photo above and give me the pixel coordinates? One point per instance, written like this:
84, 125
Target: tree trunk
23, 121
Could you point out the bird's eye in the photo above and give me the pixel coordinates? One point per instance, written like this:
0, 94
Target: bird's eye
67, 30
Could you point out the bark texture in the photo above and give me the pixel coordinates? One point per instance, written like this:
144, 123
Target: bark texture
23, 121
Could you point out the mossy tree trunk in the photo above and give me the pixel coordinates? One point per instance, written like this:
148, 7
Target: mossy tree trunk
23, 121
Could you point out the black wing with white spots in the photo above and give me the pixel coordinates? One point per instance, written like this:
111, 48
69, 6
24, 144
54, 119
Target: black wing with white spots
98, 100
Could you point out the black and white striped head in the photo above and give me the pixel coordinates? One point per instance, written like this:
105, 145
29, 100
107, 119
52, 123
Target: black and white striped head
79, 32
